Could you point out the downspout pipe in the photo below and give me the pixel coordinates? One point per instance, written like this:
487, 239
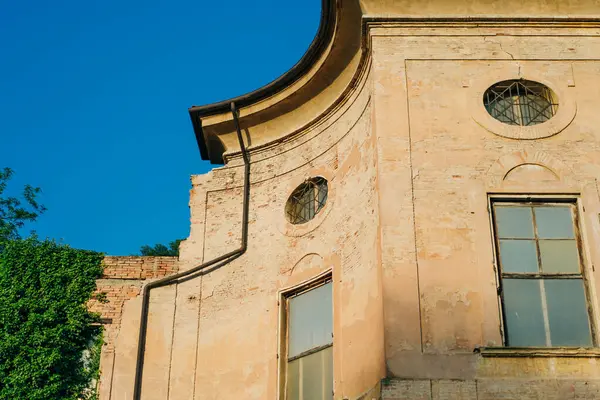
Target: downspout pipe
214, 263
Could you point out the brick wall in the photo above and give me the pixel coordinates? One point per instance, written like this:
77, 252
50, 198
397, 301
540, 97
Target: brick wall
123, 279
491, 388
139, 267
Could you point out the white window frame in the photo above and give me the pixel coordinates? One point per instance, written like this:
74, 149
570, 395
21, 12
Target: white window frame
282, 334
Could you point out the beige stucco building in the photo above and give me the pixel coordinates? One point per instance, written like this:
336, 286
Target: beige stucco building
445, 239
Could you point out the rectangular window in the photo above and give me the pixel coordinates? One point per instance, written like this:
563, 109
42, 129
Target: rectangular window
310, 344
542, 284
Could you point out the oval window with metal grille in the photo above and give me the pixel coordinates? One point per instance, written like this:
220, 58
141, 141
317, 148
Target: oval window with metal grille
306, 200
520, 102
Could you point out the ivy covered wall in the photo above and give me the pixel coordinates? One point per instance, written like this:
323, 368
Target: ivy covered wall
49, 341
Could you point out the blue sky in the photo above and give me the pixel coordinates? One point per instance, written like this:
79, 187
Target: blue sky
94, 98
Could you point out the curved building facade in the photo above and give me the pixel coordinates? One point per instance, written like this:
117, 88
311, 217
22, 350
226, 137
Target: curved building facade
423, 218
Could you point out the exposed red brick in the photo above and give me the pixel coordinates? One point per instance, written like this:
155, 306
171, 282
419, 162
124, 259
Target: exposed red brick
122, 280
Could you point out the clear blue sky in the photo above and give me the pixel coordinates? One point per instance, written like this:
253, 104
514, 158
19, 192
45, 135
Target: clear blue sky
94, 98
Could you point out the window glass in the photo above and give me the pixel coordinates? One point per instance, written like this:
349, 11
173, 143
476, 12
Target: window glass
567, 312
514, 222
305, 205
543, 292
321, 196
306, 200
520, 102
523, 312
518, 256
328, 373
311, 377
554, 222
504, 111
313, 382
311, 320
559, 256
293, 380
310, 345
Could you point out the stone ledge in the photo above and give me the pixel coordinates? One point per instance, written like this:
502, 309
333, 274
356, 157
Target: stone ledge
538, 352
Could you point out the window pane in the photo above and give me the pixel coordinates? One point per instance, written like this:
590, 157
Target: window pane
518, 256
328, 373
559, 256
309, 209
311, 320
554, 222
293, 380
514, 222
526, 112
502, 110
523, 312
314, 373
567, 312
321, 195
541, 108
313, 376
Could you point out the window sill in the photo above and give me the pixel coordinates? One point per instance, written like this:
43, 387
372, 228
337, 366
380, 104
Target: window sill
585, 352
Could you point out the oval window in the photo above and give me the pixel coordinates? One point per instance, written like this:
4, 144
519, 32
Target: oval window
520, 102
306, 201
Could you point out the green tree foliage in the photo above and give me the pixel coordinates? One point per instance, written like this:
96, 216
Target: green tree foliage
49, 343
45, 327
15, 212
172, 249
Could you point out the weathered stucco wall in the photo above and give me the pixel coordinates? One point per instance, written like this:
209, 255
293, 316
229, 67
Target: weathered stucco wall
412, 158
122, 280
217, 335
439, 160
238, 336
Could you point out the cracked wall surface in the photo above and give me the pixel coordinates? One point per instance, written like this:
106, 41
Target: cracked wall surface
440, 284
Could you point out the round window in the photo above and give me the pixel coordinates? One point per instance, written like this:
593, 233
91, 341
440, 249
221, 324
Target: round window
520, 102
306, 200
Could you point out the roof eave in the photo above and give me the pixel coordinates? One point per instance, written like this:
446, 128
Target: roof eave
315, 51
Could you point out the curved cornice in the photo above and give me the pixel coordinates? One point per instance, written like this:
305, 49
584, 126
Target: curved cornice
315, 51
335, 58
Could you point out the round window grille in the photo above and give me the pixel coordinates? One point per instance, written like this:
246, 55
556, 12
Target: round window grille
520, 102
306, 201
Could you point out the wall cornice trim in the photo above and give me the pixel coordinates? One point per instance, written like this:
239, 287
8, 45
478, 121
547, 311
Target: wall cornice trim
316, 49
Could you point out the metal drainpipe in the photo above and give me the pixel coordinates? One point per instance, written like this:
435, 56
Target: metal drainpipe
215, 263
